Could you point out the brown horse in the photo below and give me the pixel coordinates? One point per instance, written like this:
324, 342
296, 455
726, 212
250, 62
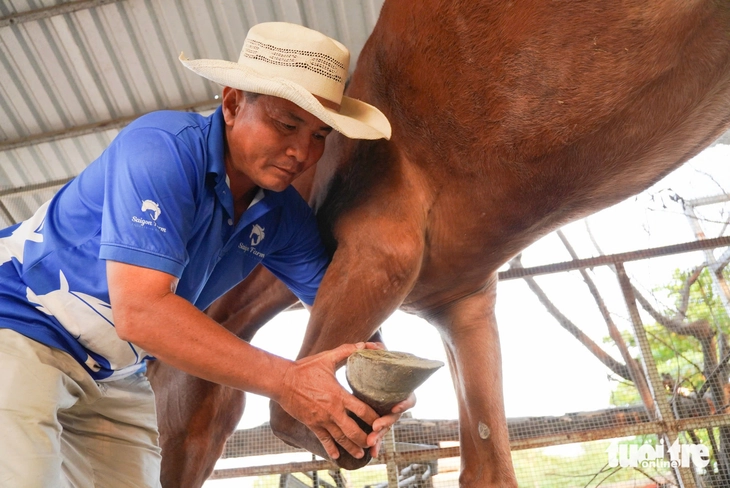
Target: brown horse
510, 119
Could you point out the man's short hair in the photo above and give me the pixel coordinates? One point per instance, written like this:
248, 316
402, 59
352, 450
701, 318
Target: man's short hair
250, 96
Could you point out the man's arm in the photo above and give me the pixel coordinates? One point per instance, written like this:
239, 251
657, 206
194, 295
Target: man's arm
148, 314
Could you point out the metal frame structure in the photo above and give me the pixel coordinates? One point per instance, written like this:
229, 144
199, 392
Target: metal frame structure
661, 419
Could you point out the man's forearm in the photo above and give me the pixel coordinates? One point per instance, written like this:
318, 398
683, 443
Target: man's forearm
176, 332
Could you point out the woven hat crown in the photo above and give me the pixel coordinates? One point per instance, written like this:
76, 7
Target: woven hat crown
307, 57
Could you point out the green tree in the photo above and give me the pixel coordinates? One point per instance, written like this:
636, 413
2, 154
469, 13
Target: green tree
689, 343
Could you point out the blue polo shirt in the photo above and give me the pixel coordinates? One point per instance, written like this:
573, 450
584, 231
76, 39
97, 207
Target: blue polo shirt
157, 197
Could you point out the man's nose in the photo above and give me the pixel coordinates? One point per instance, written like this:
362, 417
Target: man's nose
299, 147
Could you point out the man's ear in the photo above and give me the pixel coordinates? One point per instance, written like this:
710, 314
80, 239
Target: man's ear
232, 99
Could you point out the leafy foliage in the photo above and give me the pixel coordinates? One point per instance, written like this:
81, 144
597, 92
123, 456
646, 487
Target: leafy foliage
679, 358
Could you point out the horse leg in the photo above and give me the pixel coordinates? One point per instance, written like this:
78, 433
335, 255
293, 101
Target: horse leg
468, 329
372, 277
196, 417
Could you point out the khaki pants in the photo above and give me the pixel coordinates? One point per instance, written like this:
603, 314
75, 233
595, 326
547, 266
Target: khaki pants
59, 428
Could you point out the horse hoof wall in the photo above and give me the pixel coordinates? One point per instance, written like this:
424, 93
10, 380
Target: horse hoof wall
383, 379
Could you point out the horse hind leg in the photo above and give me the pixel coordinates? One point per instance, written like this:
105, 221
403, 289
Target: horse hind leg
196, 417
468, 329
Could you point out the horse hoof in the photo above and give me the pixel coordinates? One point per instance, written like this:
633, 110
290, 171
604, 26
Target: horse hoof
348, 462
383, 379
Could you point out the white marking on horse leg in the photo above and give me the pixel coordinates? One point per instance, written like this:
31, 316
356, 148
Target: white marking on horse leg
483, 430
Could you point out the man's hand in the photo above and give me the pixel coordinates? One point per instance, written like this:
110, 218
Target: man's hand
311, 394
386, 422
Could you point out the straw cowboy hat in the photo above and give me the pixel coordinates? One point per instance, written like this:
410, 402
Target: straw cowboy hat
303, 66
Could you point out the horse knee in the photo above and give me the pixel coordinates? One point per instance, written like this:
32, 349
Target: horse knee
485, 461
395, 261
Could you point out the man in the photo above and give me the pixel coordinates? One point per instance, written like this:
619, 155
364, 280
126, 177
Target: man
119, 265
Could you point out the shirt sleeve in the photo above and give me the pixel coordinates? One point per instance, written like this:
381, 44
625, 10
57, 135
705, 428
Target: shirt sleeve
149, 203
301, 264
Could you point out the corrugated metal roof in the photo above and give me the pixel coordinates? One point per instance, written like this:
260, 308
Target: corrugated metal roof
73, 72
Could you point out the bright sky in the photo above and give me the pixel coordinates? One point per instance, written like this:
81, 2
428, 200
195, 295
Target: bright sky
546, 371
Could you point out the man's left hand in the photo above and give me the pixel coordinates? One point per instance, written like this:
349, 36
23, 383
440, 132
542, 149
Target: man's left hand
383, 424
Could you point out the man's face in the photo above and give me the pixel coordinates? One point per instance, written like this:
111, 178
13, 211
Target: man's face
271, 140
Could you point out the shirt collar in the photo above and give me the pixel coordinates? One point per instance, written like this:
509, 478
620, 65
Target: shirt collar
217, 167
216, 164
217, 146
256, 199
259, 196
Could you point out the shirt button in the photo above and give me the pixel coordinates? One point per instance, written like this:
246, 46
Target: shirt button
230, 221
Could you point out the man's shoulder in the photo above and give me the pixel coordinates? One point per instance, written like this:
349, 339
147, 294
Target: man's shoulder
171, 121
173, 137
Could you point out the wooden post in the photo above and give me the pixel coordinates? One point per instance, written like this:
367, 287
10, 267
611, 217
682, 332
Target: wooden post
390, 455
663, 411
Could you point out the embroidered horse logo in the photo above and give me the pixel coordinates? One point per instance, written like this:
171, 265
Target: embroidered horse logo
257, 234
152, 207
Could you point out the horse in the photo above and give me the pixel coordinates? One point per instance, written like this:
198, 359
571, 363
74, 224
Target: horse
510, 119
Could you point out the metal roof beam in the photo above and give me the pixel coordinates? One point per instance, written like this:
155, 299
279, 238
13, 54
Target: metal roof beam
52, 11
95, 127
38, 186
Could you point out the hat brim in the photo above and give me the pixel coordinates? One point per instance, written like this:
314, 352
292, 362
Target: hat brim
355, 119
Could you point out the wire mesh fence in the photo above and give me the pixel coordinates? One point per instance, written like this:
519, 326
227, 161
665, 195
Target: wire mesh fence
663, 346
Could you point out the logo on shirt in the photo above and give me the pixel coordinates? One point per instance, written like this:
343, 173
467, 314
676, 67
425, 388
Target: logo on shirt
153, 211
257, 234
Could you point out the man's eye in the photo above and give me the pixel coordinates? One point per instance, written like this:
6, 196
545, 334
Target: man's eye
287, 126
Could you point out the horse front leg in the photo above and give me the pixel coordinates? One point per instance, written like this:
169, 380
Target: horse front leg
468, 328
368, 279
196, 417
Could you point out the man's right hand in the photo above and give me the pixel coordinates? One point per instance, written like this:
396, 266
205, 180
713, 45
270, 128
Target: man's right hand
311, 394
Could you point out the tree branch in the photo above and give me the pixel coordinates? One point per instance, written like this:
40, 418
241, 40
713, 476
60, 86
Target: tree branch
635, 370
693, 276
711, 377
565, 322
700, 329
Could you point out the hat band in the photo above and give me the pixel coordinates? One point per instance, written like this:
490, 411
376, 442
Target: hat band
317, 62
